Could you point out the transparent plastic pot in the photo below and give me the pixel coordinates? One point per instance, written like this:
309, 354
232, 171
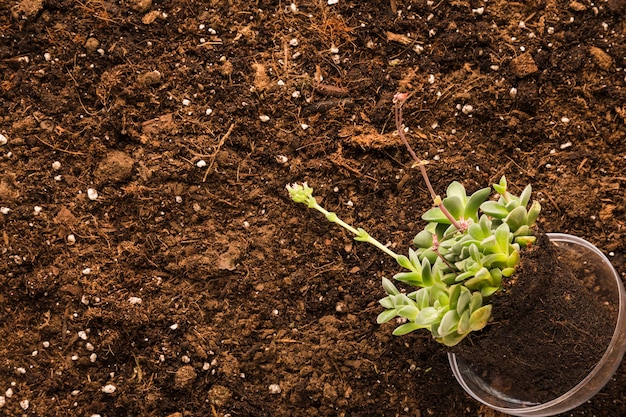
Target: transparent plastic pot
505, 402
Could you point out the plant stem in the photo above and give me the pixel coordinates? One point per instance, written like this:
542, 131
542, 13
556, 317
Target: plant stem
421, 164
360, 234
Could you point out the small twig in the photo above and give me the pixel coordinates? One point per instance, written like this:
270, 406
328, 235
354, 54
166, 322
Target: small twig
57, 148
214, 155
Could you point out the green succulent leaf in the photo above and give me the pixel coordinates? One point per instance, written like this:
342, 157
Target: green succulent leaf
422, 299
495, 259
427, 316
389, 287
414, 258
524, 197
404, 262
449, 323
431, 255
476, 302
409, 312
441, 229
423, 239
456, 189
463, 303
488, 291
517, 218
533, 213
455, 293
474, 202
482, 276
435, 215
524, 230
443, 299
485, 224
386, 315
525, 241
464, 323
476, 232
513, 259
503, 237
507, 272
494, 209
475, 254
452, 339
511, 204
410, 278
501, 186
387, 302
427, 273
496, 277
406, 328
464, 276
455, 206
449, 278
480, 317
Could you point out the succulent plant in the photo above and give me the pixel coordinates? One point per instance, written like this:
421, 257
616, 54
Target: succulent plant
467, 246
455, 271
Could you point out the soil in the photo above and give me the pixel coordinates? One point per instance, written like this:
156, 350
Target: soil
151, 261
551, 326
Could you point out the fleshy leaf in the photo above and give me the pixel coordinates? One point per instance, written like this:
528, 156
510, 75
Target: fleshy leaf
474, 202
389, 287
533, 213
386, 315
507, 272
455, 293
413, 258
494, 209
456, 189
503, 237
464, 301
423, 239
427, 275
409, 312
427, 316
517, 218
422, 299
513, 259
476, 302
501, 186
435, 215
525, 241
455, 206
480, 317
524, 197
452, 339
404, 262
406, 328
387, 302
449, 322
464, 323
488, 291
411, 278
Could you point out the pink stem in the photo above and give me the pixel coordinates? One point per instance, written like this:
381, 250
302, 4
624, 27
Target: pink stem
436, 199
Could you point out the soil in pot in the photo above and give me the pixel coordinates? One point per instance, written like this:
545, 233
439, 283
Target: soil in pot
550, 326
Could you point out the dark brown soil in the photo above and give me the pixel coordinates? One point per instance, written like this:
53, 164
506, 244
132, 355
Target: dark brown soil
550, 328
198, 288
